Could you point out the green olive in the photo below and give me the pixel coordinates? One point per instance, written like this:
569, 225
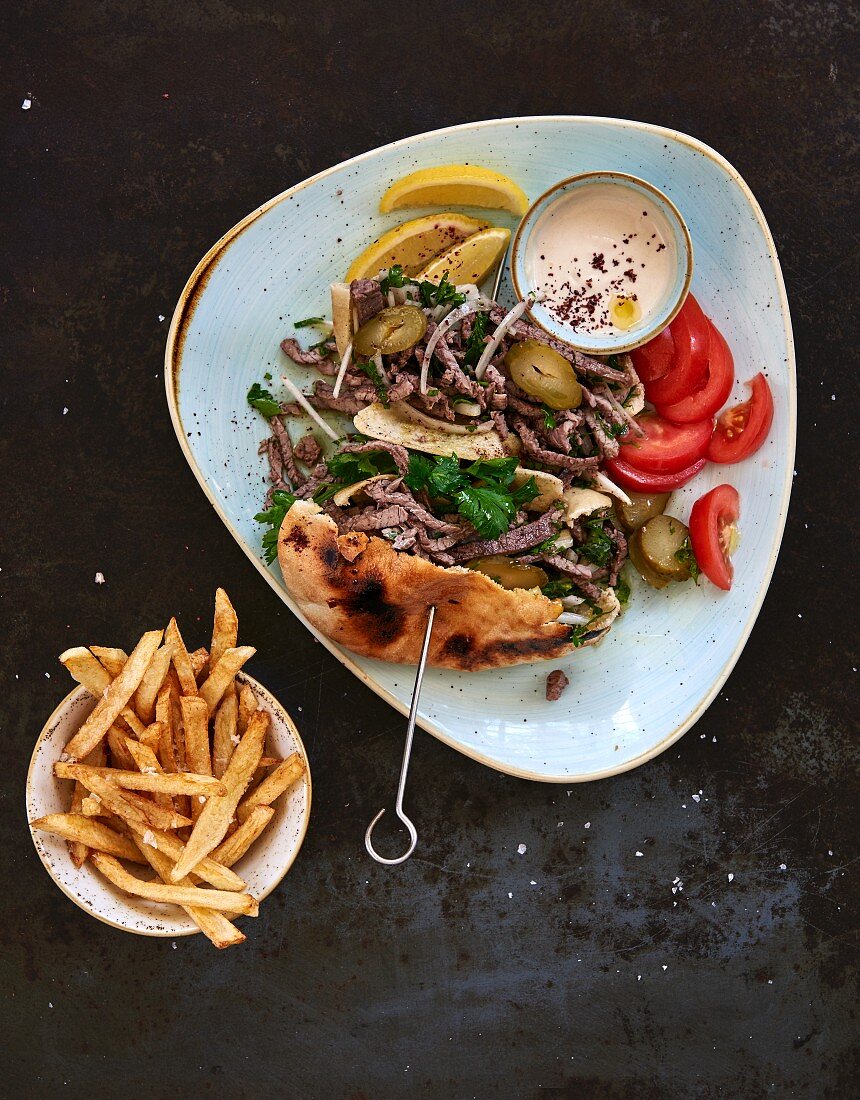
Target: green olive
509, 573
390, 331
659, 541
642, 507
544, 374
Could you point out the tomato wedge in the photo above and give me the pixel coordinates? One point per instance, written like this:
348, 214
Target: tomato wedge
713, 533
742, 429
691, 337
666, 447
628, 477
655, 358
714, 393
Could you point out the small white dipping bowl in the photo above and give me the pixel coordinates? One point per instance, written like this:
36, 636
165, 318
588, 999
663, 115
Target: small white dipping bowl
262, 867
604, 342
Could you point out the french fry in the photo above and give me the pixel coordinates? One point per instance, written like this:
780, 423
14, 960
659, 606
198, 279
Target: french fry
164, 718
91, 834
195, 721
199, 660
129, 806
77, 849
232, 849
272, 787
247, 706
83, 667
181, 659
222, 674
144, 758
91, 806
223, 900
133, 722
212, 824
159, 782
111, 660
120, 757
214, 925
225, 628
150, 738
208, 869
118, 694
226, 721
150, 684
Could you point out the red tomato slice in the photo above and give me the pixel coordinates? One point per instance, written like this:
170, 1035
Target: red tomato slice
691, 336
714, 393
712, 527
628, 477
655, 358
742, 429
666, 447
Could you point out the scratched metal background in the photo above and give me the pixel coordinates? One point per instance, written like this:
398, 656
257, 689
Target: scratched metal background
573, 969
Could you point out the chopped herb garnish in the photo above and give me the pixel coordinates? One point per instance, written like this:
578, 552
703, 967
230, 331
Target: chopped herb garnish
394, 278
267, 377
477, 340
263, 401
577, 635
282, 502
372, 371
685, 555
308, 321
549, 421
347, 469
480, 491
442, 293
599, 546
622, 589
558, 589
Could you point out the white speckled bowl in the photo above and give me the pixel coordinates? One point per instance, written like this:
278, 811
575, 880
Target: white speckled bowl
262, 867
599, 343
666, 659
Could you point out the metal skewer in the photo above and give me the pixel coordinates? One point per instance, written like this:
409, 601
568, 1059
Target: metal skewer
404, 767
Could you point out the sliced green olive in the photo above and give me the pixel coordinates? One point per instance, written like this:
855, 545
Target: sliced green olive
509, 573
544, 374
644, 570
390, 331
659, 541
642, 507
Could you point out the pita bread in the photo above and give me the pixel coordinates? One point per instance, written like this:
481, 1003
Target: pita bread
360, 592
413, 429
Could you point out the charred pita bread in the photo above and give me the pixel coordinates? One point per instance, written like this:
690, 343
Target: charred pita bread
360, 592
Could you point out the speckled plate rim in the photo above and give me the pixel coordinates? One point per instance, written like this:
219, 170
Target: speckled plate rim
527, 225
158, 933
173, 360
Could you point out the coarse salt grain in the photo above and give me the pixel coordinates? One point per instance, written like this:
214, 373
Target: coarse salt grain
235, 738
731, 877
521, 849
26, 104
100, 578
149, 771
640, 853
149, 838
201, 799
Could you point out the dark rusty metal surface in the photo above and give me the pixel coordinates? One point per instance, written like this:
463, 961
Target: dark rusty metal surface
574, 969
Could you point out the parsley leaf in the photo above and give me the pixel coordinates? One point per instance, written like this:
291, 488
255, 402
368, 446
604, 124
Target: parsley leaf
490, 510
549, 421
599, 546
477, 340
494, 469
308, 321
263, 401
685, 555
372, 371
442, 293
622, 589
577, 635
558, 589
282, 502
347, 469
394, 278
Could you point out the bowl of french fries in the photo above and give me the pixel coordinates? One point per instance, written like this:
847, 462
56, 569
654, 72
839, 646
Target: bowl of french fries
169, 792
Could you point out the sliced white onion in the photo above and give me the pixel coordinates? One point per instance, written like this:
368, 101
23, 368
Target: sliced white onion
401, 295
308, 407
509, 319
446, 426
392, 301
570, 618
341, 374
603, 481
469, 291
466, 407
570, 602
452, 319
564, 539
380, 366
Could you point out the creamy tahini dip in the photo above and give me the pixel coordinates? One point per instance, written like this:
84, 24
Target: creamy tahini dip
604, 257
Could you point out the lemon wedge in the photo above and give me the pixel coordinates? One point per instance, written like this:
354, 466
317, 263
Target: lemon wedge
455, 185
470, 261
413, 244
